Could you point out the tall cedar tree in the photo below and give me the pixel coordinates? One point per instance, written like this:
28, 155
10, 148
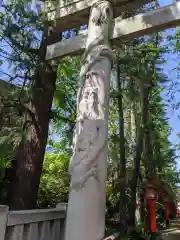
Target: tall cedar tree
30, 155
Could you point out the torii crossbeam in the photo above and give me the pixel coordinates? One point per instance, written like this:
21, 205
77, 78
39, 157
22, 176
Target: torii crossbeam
86, 206
139, 25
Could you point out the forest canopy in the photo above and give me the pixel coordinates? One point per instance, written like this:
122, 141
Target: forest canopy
38, 114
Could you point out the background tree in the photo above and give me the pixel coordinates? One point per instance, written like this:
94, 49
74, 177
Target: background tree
36, 99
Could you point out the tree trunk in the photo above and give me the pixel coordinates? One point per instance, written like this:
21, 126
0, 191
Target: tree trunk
138, 154
121, 126
88, 166
30, 156
148, 152
122, 162
149, 163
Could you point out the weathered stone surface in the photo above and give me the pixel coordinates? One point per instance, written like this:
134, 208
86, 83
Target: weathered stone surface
3, 220
70, 14
88, 165
139, 25
173, 233
34, 224
37, 215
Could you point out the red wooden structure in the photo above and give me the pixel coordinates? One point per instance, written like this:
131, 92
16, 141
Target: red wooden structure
151, 196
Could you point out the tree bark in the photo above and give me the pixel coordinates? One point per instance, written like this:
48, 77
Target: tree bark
138, 154
88, 165
121, 126
122, 162
30, 155
149, 164
150, 168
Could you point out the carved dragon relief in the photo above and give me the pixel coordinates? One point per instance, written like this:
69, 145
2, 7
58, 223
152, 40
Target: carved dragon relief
102, 13
90, 136
91, 106
90, 142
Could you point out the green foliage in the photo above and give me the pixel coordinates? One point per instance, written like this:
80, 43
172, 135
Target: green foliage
18, 41
54, 180
140, 60
143, 59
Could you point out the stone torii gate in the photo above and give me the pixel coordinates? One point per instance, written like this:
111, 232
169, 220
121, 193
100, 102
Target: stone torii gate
86, 206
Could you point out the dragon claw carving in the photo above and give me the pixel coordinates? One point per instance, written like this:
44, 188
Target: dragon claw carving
78, 185
85, 163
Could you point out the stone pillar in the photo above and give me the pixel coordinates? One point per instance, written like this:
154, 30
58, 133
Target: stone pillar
3, 221
88, 165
